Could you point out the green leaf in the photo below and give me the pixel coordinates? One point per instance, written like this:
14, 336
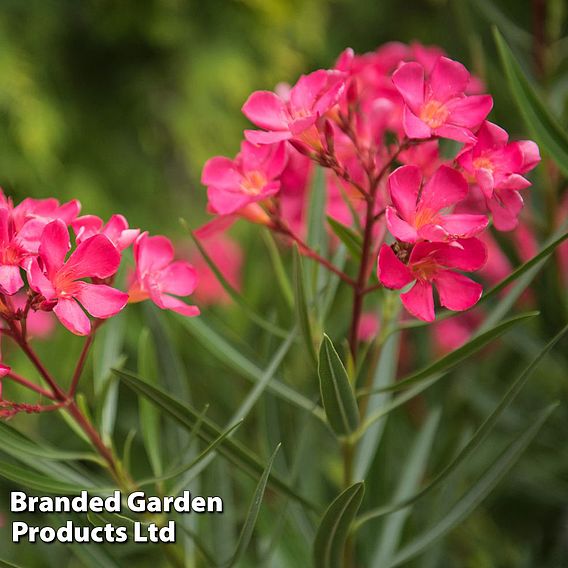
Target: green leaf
545, 128
149, 417
18, 445
476, 440
105, 518
384, 375
446, 363
334, 527
107, 350
347, 236
188, 467
336, 392
316, 211
5, 564
278, 266
39, 482
235, 296
187, 416
301, 303
411, 475
259, 388
253, 511
226, 353
476, 494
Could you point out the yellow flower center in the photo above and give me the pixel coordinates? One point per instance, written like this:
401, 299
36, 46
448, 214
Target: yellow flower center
483, 162
434, 113
253, 182
424, 269
424, 217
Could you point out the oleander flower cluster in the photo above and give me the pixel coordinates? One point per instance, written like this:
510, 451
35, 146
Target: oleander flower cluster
55, 262
413, 166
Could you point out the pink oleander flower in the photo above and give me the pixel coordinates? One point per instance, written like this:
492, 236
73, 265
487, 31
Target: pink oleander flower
29, 218
117, 230
294, 114
59, 280
497, 167
13, 253
418, 211
228, 257
434, 264
251, 177
157, 276
438, 106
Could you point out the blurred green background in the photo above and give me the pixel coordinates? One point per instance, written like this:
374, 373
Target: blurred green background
119, 104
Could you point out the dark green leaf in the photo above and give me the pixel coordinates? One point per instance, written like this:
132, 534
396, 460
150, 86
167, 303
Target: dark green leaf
347, 236
236, 297
336, 392
254, 509
475, 441
187, 416
444, 364
545, 128
149, 417
301, 303
335, 525
476, 494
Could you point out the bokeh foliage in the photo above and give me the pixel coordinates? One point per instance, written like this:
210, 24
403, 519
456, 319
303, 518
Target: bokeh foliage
120, 103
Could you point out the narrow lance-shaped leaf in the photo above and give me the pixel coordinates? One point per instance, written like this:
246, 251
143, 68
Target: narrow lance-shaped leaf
187, 416
334, 527
301, 303
450, 360
254, 509
478, 492
475, 441
544, 127
347, 236
149, 417
228, 354
336, 392
410, 476
278, 265
235, 296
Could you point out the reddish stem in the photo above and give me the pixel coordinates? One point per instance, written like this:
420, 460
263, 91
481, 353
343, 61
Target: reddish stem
82, 359
281, 228
29, 385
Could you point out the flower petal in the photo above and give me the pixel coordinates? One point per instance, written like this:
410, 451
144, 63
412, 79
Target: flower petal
414, 127
266, 110
409, 82
220, 172
457, 292
54, 246
445, 188
391, 271
96, 257
179, 278
152, 253
399, 228
72, 316
404, 186
419, 301
99, 300
448, 79
471, 111
10, 279
464, 225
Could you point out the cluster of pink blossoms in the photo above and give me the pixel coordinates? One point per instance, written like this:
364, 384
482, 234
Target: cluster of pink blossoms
379, 124
41, 271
